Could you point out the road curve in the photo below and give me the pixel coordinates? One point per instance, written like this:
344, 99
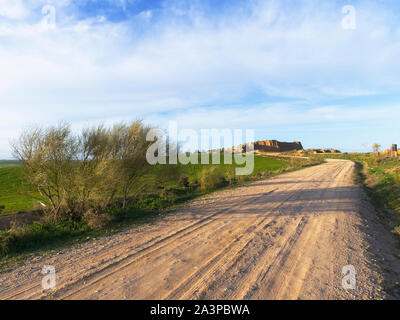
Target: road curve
282, 238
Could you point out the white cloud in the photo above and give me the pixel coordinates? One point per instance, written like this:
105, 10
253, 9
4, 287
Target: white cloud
280, 59
93, 69
13, 9
147, 14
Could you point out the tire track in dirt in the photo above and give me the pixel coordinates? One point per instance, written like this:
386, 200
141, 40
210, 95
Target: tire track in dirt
202, 223
86, 287
249, 223
157, 243
290, 272
282, 238
97, 276
245, 282
197, 281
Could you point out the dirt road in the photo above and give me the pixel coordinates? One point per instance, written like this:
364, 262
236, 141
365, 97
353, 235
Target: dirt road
283, 238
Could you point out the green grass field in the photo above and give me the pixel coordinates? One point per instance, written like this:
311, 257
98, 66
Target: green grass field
15, 193
261, 164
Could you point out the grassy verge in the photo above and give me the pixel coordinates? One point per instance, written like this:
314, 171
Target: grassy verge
17, 243
41, 238
380, 178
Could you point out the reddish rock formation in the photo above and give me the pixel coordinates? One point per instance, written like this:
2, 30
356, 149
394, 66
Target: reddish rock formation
277, 146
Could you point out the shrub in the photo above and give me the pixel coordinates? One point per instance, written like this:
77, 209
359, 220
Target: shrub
19, 239
210, 178
242, 179
153, 201
95, 220
230, 175
76, 173
267, 173
183, 181
396, 230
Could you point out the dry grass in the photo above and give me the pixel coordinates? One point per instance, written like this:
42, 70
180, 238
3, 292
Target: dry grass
95, 220
210, 178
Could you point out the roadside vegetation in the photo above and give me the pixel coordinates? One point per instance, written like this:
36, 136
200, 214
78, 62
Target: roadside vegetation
99, 182
379, 174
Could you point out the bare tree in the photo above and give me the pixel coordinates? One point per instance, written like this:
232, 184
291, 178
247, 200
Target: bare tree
129, 146
72, 173
376, 147
95, 179
48, 157
76, 174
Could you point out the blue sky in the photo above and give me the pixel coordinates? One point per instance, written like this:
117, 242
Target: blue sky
287, 69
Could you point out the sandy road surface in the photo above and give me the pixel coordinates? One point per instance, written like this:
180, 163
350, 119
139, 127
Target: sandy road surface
283, 238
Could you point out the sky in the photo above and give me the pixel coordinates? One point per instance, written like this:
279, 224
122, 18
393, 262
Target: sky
292, 70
